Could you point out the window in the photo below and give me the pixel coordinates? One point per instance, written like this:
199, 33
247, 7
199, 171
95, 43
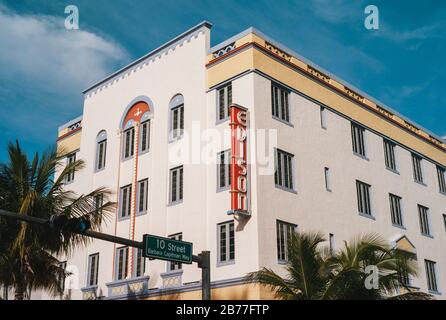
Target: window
395, 210
327, 179
142, 195
441, 172
125, 201
417, 170
145, 137
284, 231
358, 140
140, 265
444, 221
224, 169
177, 122
363, 195
226, 242
93, 268
279, 101
129, 143
323, 113
122, 257
71, 158
173, 265
389, 155
101, 150
283, 175
63, 265
176, 184
431, 275
98, 203
224, 101
331, 241
423, 214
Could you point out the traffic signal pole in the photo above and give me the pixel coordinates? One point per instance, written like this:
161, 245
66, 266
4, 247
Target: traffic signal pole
202, 259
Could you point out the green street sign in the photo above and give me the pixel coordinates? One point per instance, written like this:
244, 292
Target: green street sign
167, 249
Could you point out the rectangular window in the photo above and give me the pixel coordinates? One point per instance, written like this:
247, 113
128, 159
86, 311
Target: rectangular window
224, 169
331, 241
140, 264
417, 169
145, 136
102, 150
327, 179
176, 184
423, 214
279, 102
395, 210
71, 158
283, 233
444, 221
441, 173
431, 275
226, 242
323, 114
125, 201
224, 101
283, 175
172, 265
177, 118
389, 155
93, 269
142, 195
129, 143
358, 140
98, 203
363, 195
63, 265
122, 257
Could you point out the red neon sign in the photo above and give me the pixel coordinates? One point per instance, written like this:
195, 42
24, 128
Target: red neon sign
239, 165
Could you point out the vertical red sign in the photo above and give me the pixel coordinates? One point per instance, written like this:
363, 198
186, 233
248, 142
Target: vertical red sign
239, 161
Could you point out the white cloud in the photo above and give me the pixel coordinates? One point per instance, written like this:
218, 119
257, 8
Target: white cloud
42, 51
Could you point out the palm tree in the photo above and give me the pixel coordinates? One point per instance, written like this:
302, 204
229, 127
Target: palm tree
315, 273
28, 252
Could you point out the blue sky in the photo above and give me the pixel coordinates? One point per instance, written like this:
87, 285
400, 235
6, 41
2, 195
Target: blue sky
44, 67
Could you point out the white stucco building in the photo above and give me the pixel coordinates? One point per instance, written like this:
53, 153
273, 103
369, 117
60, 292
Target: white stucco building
342, 163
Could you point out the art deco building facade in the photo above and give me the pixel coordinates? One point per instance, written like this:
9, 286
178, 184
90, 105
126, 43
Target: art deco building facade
342, 164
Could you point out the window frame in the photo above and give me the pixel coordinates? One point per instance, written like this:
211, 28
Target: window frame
398, 213
129, 189
227, 92
146, 197
70, 158
140, 262
327, 177
389, 151
131, 142
226, 168
147, 124
368, 199
227, 260
441, 175
101, 140
283, 110
176, 134
417, 163
430, 268
282, 239
179, 194
280, 175
323, 117
95, 271
425, 222
361, 150
125, 263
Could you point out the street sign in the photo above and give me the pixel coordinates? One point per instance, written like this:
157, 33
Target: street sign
167, 249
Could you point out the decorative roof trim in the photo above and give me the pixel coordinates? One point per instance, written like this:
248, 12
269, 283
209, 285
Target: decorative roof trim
70, 123
152, 55
318, 68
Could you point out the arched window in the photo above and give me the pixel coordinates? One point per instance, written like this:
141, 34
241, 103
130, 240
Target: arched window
139, 112
176, 126
101, 150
